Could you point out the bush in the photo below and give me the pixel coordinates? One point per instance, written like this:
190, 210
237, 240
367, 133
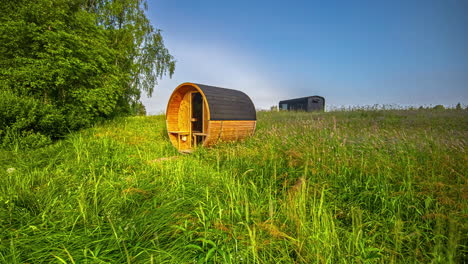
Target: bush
26, 122
13, 139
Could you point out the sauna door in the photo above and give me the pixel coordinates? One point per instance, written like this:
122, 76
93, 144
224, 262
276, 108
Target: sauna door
197, 112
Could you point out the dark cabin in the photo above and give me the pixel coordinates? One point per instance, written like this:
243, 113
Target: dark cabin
308, 104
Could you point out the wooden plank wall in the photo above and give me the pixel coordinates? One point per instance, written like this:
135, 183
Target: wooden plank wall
172, 114
185, 113
229, 130
178, 115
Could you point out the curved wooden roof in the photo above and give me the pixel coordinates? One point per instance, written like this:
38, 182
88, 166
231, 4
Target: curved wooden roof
226, 104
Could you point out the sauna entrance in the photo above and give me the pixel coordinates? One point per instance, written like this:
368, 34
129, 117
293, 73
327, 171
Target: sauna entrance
197, 112
198, 135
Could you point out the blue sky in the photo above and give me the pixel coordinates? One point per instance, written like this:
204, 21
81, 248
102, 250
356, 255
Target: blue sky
351, 52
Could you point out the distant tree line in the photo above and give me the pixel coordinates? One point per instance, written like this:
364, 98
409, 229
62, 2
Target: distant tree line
64, 64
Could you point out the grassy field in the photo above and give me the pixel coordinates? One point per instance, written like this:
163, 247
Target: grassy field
339, 187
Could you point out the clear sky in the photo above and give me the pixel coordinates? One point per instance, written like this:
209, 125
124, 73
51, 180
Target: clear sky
404, 52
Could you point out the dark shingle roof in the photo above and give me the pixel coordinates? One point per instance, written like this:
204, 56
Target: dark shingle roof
228, 104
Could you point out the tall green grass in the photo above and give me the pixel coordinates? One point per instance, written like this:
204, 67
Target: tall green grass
340, 187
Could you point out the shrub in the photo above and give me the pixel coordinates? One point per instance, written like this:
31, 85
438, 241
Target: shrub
27, 123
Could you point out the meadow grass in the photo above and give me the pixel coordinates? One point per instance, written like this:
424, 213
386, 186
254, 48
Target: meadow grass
382, 186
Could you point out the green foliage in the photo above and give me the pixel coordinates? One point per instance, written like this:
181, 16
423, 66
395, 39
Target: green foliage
88, 60
338, 187
27, 122
139, 109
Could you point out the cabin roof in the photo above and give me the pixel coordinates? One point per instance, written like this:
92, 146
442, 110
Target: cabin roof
300, 99
228, 104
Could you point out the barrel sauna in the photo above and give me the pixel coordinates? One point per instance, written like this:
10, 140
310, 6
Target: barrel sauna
202, 115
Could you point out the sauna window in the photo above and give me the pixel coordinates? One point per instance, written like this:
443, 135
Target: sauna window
284, 106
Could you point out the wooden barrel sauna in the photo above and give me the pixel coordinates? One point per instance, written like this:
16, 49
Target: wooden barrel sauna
202, 115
